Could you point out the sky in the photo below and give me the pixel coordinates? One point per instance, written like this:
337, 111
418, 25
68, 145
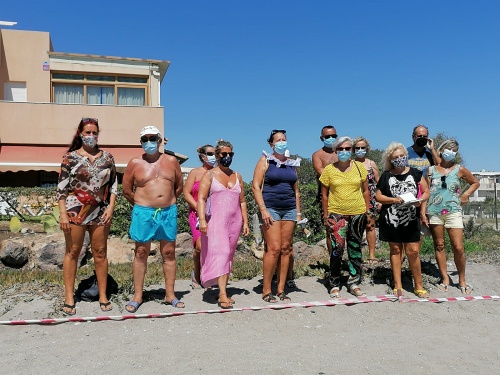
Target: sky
242, 68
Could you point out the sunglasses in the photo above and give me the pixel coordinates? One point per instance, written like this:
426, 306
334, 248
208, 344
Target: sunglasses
360, 148
224, 154
150, 138
210, 153
328, 136
443, 182
344, 148
87, 120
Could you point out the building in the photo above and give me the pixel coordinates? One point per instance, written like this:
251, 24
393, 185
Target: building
44, 94
489, 186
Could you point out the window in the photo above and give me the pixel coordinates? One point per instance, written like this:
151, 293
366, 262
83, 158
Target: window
100, 89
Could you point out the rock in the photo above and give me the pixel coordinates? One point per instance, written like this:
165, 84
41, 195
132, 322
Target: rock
51, 254
13, 254
184, 245
242, 249
303, 250
120, 251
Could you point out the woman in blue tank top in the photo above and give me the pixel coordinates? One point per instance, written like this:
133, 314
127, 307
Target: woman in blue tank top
276, 192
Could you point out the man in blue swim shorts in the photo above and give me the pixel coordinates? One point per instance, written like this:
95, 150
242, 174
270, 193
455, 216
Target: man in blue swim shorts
152, 183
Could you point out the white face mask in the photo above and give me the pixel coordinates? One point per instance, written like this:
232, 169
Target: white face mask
211, 160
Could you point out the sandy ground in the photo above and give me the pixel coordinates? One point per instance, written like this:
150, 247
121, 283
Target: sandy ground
370, 338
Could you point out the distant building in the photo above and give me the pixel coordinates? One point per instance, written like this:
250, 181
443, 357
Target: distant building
44, 94
489, 182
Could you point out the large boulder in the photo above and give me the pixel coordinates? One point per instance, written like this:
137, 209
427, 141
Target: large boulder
301, 250
50, 255
13, 254
120, 250
184, 245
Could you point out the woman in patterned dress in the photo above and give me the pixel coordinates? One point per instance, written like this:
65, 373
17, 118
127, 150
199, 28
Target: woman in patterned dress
345, 200
206, 154
444, 211
86, 194
221, 221
399, 224
360, 147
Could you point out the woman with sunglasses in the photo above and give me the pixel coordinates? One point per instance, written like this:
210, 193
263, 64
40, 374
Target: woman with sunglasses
360, 147
444, 211
399, 224
206, 154
86, 193
222, 211
345, 201
276, 192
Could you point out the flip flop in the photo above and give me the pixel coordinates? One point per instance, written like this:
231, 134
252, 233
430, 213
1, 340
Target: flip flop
134, 306
421, 293
467, 289
443, 287
104, 306
335, 292
175, 303
68, 307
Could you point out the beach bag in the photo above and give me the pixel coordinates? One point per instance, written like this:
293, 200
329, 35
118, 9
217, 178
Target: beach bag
88, 290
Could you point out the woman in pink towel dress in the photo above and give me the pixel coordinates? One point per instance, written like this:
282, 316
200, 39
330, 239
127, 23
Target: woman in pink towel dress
222, 212
206, 154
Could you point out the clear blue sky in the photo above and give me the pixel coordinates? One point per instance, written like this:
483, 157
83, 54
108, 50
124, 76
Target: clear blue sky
241, 68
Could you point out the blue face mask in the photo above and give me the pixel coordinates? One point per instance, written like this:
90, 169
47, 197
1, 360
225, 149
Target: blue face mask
280, 147
150, 148
329, 142
344, 155
448, 155
360, 153
211, 160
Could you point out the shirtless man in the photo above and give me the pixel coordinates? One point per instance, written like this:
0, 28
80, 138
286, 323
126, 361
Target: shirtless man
320, 160
152, 183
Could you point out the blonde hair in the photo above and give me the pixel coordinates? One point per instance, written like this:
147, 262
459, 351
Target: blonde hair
222, 143
386, 156
361, 139
449, 144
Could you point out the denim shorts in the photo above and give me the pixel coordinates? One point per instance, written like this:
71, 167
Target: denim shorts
279, 215
150, 223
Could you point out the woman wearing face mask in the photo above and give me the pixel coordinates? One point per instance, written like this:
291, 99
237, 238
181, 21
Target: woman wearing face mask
276, 192
444, 211
206, 154
345, 200
86, 193
399, 224
222, 211
360, 147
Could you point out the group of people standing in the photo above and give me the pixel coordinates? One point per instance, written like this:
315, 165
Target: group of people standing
352, 193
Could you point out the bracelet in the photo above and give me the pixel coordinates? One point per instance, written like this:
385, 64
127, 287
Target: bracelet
262, 205
299, 213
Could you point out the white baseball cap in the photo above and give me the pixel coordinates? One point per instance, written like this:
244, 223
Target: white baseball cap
150, 129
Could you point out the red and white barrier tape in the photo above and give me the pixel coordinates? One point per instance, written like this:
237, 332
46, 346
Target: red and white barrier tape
333, 302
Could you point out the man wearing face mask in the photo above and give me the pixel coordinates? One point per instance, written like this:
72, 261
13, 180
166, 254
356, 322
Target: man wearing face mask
152, 183
421, 155
320, 159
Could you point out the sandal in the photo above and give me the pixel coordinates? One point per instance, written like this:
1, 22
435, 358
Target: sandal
224, 305
398, 292
442, 287
335, 292
421, 293
283, 297
71, 308
270, 298
105, 306
194, 284
467, 289
132, 306
355, 290
175, 303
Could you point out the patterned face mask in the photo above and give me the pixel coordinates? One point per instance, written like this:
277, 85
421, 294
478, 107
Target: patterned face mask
400, 162
89, 140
